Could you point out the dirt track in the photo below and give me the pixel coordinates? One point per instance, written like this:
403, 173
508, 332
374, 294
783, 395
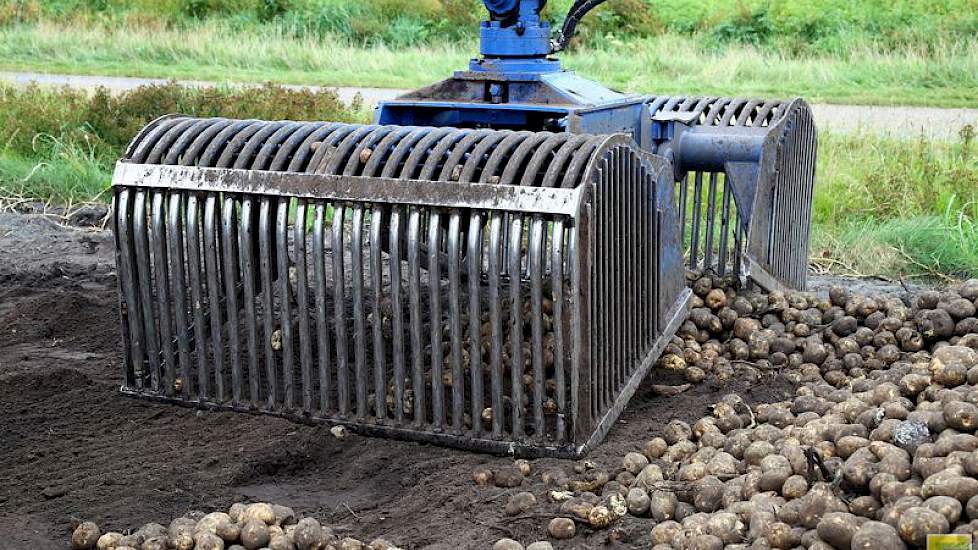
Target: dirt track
74, 447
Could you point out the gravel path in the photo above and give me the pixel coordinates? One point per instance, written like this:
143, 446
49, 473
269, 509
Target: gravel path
927, 122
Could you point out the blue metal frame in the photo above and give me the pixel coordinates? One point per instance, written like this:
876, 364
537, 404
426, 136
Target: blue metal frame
517, 84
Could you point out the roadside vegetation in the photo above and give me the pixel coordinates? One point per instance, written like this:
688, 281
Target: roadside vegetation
909, 52
883, 206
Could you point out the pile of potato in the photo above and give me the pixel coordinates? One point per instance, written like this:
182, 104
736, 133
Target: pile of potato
876, 450
258, 526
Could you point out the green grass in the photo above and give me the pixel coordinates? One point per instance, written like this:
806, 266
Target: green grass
669, 64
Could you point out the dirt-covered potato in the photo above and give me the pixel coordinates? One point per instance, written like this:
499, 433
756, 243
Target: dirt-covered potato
838, 528
209, 541
562, 528
519, 503
874, 535
781, 535
108, 541
507, 544
634, 463
259, 511
950, 483
948, 507
508, 477
85, 536
726, 526
638, 502
704, 542
308, 534
254, 534
918, 522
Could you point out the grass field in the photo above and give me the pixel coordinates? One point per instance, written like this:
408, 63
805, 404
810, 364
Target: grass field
906, 52
883, 206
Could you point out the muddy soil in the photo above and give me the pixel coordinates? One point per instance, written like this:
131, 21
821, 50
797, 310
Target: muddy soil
73, 447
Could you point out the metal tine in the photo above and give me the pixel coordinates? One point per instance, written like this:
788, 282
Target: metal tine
474, 257
414, 305
178, 282
229, 241
197, 296
285, 302
123, 310
339, 310
516, 323
359, 318
377, 289
724, 229
212, 269
145, 284
397, 313
435, 318
246, 237
161, 264
575, 343
495, 323
266, 262
631, 320
697, 209
536, 260
128, 278
322, 328
455, 319
557, 294
601, 304
302, 304
683, 195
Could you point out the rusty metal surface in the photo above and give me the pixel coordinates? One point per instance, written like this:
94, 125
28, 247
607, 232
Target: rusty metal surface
491, 290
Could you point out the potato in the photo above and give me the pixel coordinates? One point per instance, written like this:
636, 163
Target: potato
961, 416
794, 486
638, 502
726, 526
918, 522
634, 463
155, 543
655, 448
85, 536
838, 528
950, 483
562, 528
519, 503
781, 535
874, 535
664, 532
600, 517
508, 477
704, 542
540, 545
819, 501
677, 431
308, 534
260, 512
254, 534
280, 542
236, 511
866, 506
208, 541
948, 507
523, 466
507, 544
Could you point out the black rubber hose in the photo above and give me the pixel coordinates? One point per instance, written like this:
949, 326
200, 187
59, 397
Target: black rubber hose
577, 12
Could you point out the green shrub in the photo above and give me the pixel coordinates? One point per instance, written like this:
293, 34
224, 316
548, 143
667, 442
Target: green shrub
35, 121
